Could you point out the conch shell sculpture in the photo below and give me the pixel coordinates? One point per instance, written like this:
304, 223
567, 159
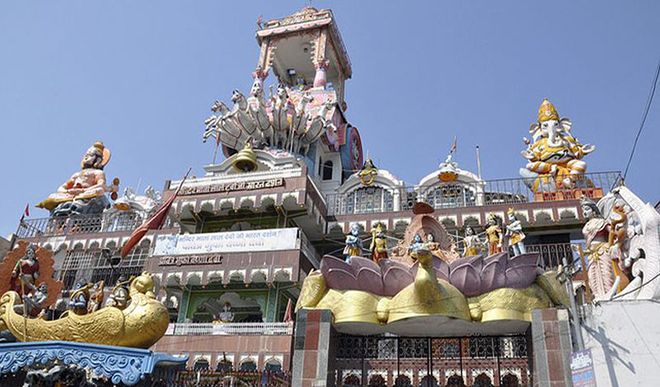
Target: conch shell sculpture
140, 325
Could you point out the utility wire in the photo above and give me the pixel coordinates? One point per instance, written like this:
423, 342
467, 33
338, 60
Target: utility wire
649, 101
637, 288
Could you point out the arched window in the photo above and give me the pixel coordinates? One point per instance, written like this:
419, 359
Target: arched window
455, 380
510, 380
368, 200
482, 380
451, 196
248, 365
201, 364
273, 365
224, 365
327, 170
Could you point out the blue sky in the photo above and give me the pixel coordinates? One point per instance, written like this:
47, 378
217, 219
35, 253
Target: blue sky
141, 76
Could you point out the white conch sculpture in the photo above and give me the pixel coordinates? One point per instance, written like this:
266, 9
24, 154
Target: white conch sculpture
641, 248
622, 235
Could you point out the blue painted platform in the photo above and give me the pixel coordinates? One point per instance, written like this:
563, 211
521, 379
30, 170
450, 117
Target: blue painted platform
119, 364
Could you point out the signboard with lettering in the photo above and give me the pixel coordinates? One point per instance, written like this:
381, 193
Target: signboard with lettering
183, 260
582, 369
230, 187
227, 242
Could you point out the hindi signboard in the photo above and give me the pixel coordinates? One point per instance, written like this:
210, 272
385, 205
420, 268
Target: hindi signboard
227, 242
582, 369
231, 186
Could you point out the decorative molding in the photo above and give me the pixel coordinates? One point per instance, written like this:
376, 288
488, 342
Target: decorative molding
119, 364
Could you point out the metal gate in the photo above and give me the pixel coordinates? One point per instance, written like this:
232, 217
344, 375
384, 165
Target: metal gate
430, 362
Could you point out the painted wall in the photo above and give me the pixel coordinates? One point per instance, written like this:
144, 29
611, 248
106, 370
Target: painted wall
624, 338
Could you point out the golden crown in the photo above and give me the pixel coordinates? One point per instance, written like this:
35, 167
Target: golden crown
547, 111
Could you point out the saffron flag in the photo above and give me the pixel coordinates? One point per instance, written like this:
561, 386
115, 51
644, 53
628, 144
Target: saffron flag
155, 222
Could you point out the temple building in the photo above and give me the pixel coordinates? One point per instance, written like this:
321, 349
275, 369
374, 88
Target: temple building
297, 261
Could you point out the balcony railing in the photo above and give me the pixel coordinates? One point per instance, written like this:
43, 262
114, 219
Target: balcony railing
87, 224
230, 329
375, 199
552, 254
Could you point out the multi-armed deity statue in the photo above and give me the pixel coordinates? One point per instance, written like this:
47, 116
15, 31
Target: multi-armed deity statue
622, 237
554, 154
84, 192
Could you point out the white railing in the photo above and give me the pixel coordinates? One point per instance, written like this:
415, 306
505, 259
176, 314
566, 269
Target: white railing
230, 329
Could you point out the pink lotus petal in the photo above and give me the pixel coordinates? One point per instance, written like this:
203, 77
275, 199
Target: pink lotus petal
396, 276
521, 270
465, 274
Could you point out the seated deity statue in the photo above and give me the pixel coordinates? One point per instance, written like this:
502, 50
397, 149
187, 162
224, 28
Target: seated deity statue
226, 315
119, 297
84, 192
417, 244
79, 298
554, 155
34, 301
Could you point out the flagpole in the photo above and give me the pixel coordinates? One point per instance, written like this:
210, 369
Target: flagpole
478, 163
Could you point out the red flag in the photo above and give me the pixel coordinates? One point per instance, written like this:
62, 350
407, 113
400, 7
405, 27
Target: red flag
27, 209
288, 315
153, 223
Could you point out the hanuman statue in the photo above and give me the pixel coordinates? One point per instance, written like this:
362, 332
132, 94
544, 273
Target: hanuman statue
84, 192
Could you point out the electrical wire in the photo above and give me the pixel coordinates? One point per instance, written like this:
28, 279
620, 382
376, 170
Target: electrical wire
636, 289
649, 101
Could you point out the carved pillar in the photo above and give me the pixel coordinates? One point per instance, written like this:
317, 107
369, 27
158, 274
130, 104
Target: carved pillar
320, 78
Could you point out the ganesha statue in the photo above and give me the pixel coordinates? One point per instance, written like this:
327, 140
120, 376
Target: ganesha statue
84, 192
554, 155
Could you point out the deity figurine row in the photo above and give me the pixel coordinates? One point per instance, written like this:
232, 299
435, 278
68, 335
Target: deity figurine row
490, 241
89, 297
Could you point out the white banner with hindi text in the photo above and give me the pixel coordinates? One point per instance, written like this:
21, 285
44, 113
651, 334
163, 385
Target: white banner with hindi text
227, 242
